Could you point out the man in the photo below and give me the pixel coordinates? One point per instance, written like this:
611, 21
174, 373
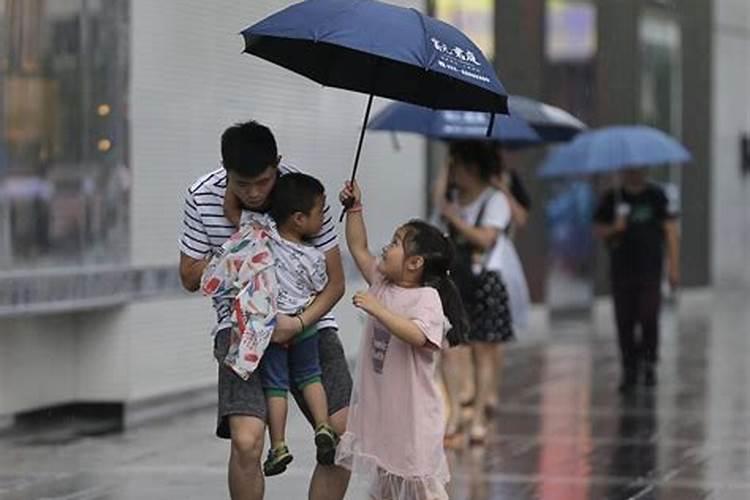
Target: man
251, 166
636, 224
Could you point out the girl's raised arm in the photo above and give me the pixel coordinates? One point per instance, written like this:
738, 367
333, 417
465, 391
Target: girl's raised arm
356, 234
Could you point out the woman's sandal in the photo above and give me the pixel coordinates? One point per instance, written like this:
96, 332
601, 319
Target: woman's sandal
467, 403
478, 434
453, 436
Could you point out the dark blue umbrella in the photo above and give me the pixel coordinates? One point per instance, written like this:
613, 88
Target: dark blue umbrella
379, 49
452, 125
614, 148
552, 123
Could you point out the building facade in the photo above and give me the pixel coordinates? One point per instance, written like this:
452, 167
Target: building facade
109, 111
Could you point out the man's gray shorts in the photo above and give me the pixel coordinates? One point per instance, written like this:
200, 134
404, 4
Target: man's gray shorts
245, 397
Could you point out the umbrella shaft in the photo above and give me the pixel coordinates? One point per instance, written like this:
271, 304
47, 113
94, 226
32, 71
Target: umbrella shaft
362, 137
359, 151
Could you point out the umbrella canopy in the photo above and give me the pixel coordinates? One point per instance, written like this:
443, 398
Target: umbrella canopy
614, 148
379, 49
552, 123
453, 125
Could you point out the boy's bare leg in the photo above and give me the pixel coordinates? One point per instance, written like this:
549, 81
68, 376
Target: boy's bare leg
317, 403
277, 415
329, 482
246, 480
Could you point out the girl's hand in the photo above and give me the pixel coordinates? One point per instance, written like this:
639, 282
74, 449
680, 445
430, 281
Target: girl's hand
367, 302
232, 208
351, 195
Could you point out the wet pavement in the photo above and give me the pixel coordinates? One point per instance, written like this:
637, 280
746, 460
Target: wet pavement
562, 431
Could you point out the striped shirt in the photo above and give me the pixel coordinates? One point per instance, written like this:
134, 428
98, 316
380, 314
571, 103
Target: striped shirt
205, 229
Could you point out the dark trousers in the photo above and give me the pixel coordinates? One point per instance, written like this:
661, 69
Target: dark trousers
637, 304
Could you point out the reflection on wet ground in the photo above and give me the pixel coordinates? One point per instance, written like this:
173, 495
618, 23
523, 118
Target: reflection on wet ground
562, 431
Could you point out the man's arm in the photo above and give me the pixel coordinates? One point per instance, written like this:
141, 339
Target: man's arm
191, 271
194, 246
606, 231
672, 235
606, 222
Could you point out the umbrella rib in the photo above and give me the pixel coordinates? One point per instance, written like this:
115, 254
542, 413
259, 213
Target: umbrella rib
426, 64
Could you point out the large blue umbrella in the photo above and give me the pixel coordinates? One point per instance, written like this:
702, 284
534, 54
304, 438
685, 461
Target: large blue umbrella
552, 123
452, 125
614, 148
379, 49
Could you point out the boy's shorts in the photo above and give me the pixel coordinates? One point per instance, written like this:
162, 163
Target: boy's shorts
246, 397
298, 361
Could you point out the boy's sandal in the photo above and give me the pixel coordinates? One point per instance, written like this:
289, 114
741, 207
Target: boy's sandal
326, 441
278, 460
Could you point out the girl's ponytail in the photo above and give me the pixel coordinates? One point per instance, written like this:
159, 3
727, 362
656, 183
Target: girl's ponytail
453, 308
438, 254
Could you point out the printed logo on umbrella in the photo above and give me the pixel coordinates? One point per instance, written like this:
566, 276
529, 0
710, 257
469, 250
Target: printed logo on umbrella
457, 52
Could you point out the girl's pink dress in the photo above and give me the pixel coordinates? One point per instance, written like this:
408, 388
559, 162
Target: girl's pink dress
396, 420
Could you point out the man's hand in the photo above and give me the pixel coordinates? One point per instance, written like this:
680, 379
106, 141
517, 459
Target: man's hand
367, 302
287, 327
620, 225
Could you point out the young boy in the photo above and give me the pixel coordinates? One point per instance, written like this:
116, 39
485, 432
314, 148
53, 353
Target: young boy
297, 209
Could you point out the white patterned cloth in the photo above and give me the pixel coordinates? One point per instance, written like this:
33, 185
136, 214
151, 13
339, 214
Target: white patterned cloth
242, 273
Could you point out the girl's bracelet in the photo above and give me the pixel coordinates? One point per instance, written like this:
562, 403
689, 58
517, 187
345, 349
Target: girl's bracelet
301, 322
355, 208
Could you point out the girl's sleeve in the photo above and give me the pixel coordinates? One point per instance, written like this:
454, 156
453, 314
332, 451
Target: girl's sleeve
378, 278
428, 316
497, 212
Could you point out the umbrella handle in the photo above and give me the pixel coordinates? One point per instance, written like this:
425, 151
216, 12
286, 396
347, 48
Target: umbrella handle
348, 203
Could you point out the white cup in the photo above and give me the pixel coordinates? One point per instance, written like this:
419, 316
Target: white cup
622, 210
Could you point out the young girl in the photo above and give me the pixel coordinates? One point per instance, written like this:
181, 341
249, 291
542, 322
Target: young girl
396, 418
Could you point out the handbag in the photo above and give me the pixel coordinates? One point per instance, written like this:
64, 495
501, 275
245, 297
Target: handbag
485, 286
